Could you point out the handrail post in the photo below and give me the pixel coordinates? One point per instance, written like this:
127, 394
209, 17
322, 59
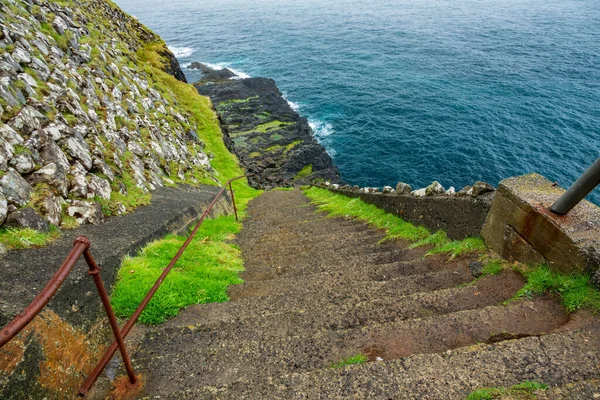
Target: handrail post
578, 190
95, 274
233, 201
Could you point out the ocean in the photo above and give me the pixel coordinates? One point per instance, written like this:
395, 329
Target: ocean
414, 90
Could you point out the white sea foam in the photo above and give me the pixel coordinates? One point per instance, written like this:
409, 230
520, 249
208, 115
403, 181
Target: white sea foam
294, 106
181, 52
320, 129
239, 74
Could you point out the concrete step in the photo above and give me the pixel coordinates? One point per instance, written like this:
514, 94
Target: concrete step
213, 360
556, 359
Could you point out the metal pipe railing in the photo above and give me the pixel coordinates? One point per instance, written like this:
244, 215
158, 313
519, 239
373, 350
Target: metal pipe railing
578, 190
81, 246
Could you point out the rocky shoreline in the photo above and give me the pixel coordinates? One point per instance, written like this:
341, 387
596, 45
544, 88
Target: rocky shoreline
270, 139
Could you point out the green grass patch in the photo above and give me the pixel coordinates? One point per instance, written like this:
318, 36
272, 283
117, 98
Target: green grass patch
235, 101
522, 391
304, 172
357, 359
202, 274
575, 290
396, 228
24, 238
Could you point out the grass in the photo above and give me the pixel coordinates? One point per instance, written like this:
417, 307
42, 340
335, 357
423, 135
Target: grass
304, 172
202, 274
575, 290
396, 227
357, 359
521, 391
24, 238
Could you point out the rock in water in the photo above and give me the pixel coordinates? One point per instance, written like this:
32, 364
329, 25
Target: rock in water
269, 137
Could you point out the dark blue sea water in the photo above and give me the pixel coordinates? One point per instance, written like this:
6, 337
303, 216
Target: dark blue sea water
415, 90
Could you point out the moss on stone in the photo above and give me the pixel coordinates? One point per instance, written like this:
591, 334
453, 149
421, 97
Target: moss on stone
304, 172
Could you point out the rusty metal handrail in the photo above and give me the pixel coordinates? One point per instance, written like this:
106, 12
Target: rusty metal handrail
81, 246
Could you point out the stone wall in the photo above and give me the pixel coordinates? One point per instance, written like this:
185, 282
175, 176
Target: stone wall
520, 227
460, 214
81, 115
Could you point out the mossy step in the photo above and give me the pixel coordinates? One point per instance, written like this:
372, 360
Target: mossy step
213, 360
555, 359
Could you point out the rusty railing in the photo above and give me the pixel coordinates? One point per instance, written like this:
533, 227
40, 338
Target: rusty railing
81, 246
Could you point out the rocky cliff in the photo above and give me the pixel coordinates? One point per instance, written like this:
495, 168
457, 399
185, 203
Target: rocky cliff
271, 140
87, 126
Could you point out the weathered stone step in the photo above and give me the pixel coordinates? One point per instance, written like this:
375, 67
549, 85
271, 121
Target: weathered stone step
313, 261
354, 271
338, 275
555, 359
285, 248
362, 290
215, 361
252, 321
306, 228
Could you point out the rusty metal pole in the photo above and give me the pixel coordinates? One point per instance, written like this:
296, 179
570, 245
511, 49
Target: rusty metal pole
233, 201
578, 190
95, 273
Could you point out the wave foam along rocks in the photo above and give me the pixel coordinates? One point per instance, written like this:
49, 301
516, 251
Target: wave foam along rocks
181, 52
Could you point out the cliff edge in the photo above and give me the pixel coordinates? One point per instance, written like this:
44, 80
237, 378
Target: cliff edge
270, 139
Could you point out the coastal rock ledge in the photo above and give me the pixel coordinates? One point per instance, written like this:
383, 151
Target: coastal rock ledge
270, 139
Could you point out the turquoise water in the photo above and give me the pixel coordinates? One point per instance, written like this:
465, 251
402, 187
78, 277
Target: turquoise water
415, 90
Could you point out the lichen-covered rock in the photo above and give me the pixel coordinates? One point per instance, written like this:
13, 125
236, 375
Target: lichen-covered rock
466, 191
403, 188
3, 208
53, 175
480, 188
434, 189
419, 192
51, 208
98, 187
22, 163
26, 218
451, 191
86, 212
27, 120
15, 188
387, 189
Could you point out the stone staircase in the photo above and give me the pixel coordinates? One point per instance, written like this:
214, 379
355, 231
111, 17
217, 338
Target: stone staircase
319, 290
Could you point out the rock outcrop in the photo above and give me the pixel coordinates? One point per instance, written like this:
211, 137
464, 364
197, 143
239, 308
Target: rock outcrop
82, 116
269, 137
